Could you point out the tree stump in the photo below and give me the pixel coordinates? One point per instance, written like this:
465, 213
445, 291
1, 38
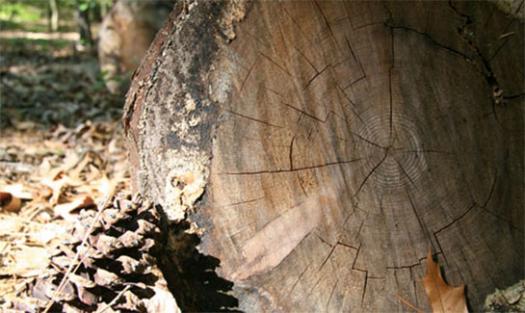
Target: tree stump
125, 35
320, 149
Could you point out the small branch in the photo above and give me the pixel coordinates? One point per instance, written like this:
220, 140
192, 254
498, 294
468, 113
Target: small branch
73, 265
117, 297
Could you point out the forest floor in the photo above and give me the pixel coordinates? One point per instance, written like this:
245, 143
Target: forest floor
61, 150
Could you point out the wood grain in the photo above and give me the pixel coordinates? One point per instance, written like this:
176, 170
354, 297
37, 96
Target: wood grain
353, 137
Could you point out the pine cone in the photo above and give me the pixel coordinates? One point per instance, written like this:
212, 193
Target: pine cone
116, 269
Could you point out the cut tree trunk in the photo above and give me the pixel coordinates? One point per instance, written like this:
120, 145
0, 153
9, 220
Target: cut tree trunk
124, 37
320, 149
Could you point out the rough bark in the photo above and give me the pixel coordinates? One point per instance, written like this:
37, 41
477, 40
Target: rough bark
320, 149
511, 299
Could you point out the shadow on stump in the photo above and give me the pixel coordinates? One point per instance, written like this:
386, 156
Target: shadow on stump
191, 275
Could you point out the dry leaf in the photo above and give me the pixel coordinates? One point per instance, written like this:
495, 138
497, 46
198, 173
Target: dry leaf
43, 192
9, 203
43, 235
64, 210
19, 191
443, 298
57, 187
9, 226
30, 261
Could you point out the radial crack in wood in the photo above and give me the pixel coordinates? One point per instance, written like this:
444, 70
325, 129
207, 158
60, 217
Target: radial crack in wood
319, 149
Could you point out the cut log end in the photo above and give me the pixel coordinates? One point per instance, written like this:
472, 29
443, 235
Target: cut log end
319, 149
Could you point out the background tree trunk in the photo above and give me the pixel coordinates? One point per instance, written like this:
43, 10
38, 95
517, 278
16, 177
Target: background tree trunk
84, 23
321, 149
124, 37
53, 15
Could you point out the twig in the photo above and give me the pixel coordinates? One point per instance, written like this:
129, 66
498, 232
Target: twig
36, 210
77, 255
114, 300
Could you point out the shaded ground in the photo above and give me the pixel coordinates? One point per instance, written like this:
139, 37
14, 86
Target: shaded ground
61, 149
48, 83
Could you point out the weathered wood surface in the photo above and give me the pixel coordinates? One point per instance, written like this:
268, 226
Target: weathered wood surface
322, 148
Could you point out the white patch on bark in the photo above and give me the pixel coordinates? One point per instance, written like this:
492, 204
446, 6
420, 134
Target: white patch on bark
184, 183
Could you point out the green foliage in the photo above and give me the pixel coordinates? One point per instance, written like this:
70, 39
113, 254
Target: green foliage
32, 15
20, 12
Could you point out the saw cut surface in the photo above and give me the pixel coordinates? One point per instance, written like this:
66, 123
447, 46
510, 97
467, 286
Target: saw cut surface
352, 142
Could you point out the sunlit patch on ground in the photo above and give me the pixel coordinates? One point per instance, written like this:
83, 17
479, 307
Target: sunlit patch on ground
61, 149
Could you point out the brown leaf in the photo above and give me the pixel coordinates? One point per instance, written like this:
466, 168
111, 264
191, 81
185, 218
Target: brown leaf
9, 203
65, 209
44, 192
443, 298
57, 187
